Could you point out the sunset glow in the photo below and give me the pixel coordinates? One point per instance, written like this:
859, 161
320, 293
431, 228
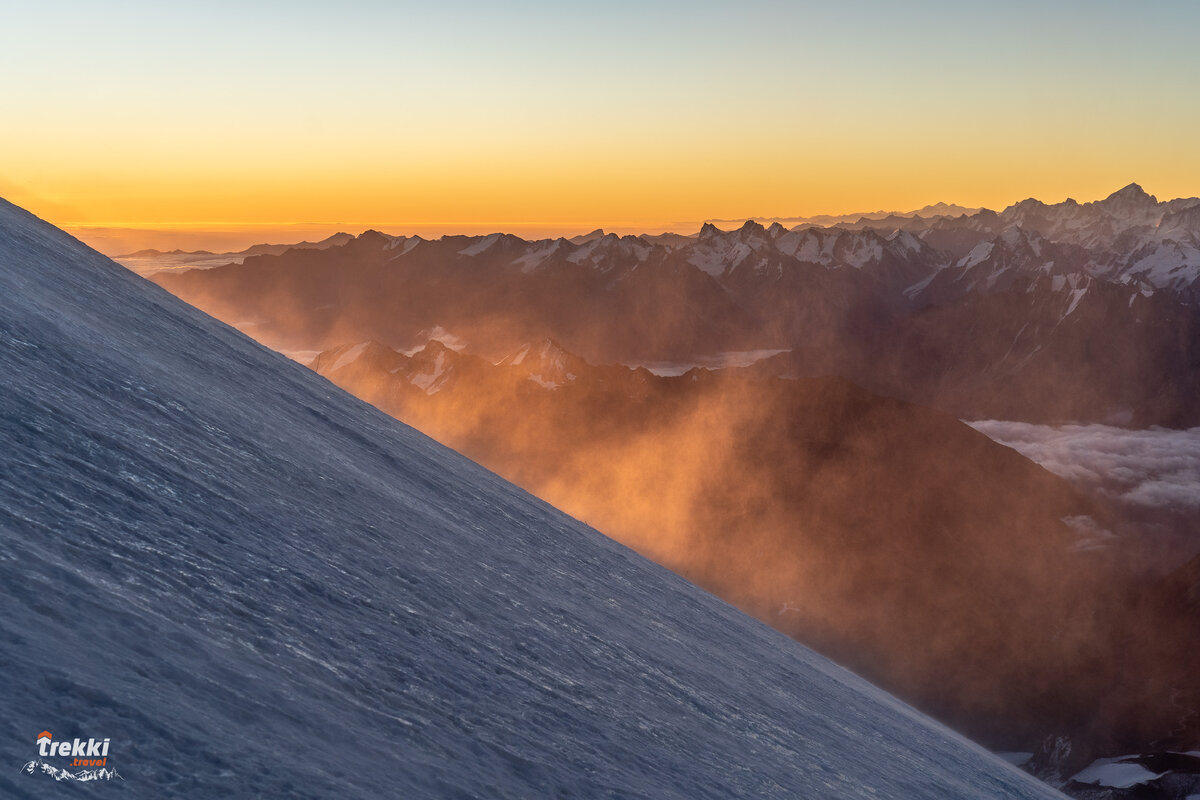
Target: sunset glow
553, 398
550, 117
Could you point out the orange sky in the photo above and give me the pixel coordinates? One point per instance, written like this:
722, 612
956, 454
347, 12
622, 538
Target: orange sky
543, 117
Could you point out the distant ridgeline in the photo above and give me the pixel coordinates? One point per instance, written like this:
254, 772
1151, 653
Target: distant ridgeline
1041, 313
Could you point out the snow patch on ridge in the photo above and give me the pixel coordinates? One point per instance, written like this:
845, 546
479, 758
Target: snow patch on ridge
349, 357
480, 245
429, 381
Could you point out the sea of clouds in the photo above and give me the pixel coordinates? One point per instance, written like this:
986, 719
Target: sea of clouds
1153, 468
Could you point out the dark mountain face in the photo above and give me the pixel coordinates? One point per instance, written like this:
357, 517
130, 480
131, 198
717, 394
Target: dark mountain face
1163, 650
885, 534
1040, 313
1044, 349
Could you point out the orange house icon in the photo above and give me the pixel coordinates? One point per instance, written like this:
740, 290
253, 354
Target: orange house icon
44, 735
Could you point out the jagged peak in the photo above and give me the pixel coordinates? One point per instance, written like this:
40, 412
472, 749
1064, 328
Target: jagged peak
905, 239
372, 237
708, 231
1132, 192
587, 238
538, 355
368, 351
550, 348
1015, 235
433, 347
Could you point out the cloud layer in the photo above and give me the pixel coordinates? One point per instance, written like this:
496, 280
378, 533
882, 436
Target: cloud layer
1154, 468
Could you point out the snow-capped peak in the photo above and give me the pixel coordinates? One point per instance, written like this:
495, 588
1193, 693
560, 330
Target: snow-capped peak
545, 363
1132, 193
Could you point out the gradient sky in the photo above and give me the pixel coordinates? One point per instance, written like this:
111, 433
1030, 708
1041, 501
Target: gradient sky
577, 114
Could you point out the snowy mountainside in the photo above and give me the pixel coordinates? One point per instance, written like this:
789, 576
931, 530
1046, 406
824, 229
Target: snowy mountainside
1130, 237
259, 586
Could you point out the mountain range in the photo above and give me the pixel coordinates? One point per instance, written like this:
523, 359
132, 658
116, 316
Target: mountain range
149, 261
826, 220
1042, 313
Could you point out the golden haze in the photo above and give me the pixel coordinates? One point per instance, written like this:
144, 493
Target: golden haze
560, 194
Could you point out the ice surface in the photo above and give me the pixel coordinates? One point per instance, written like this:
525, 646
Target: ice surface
258, 586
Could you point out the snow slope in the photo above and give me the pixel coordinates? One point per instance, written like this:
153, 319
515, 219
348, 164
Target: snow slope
256, 585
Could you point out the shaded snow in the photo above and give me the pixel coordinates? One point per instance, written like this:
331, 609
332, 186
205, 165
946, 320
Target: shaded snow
480, 245
429, 380
404, 244
520, 356
537, 254
349, 356
1112, 773
717, 255
1076, 296
836, 247
980, 253
435, 334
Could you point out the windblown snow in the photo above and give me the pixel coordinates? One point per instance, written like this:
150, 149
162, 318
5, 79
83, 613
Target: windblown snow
258, 586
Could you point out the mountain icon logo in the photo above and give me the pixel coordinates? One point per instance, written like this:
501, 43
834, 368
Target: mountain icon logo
90, 759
